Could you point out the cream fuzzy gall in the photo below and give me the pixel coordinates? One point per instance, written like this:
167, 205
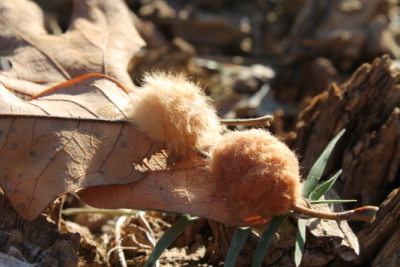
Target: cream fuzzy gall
257, 175
175, 111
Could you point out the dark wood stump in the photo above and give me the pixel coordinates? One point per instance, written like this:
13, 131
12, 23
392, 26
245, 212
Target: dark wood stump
23, 243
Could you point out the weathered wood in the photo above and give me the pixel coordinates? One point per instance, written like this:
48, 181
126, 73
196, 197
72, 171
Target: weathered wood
37, 241
7, 260
390, 253
325, 241
371, 165
369, 151
380, 241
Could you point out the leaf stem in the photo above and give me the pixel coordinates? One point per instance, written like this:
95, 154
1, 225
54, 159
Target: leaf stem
366, 214
261, 121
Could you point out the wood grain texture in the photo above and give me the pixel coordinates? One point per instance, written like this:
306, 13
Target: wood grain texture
37, 241
380, 241
366, 106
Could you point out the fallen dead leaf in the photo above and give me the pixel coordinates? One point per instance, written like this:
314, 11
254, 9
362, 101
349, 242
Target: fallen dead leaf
43, 156
91, 96
101, 38
185, 187
75, 134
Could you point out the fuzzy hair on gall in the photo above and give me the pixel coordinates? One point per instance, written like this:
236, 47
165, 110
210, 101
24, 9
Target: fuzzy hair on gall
256, 174
175, 111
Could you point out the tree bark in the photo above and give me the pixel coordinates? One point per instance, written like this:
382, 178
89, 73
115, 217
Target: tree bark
369, 155
380, 241
37, 241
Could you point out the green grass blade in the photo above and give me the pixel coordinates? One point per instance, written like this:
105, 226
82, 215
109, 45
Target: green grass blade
323, 188
332, 201
319, 166
300, 241
266, 238
236, 245
168, 237
311, 191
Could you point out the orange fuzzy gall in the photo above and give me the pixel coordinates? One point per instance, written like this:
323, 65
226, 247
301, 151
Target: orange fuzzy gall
256, 174
175, 111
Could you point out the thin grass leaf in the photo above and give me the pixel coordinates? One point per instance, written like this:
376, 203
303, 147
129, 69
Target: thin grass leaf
310, 192
266, 238
236, 245
323, 188
319, 166
300, 241
168, 237
332, 201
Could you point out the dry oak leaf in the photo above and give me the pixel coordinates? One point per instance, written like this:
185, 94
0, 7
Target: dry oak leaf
185, 187
101, 38
71, 136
